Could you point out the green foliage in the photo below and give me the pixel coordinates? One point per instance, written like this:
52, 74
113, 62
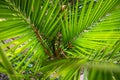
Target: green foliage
60, 39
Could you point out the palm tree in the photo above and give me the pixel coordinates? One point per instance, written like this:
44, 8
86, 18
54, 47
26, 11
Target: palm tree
60, 39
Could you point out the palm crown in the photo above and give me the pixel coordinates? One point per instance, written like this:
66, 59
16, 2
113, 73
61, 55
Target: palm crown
55, 39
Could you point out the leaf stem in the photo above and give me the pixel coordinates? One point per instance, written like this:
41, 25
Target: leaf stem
28, 21
7, 65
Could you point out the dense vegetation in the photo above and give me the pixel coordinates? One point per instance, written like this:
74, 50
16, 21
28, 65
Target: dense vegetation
60, 39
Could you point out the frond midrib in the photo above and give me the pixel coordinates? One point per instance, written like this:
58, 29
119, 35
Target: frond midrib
28, 21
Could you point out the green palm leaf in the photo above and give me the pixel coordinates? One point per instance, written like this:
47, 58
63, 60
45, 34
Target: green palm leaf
53, 39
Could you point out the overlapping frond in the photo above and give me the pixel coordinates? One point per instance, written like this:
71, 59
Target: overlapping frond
97, 36
20, 32
63, 69
81, 18
104, 71
42, 14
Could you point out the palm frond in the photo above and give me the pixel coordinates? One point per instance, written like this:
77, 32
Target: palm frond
99, 36
88, 17
24, 45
